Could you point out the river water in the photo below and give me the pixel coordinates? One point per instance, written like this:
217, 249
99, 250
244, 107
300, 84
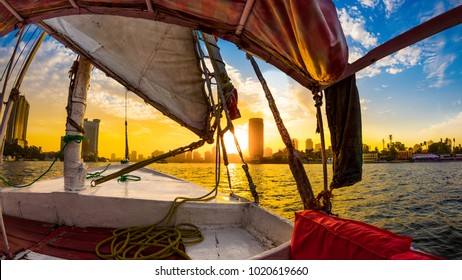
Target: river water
421, 200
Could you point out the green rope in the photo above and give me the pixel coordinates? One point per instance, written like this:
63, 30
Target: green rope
128, 177
154, 241
76, 138
97, 174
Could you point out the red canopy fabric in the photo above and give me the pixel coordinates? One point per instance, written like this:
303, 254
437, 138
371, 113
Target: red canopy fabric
303, 38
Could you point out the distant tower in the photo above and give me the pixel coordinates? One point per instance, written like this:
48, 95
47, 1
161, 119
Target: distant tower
295, 143
256, 135
317, 147
268, 152
309, 144
133, 156
17, 124
90, 148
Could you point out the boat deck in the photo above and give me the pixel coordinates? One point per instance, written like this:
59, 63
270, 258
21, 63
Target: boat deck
53, 223
30, 239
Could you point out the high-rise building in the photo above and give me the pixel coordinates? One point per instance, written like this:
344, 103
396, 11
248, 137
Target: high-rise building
309, 144
295, 143
256, 136
208, 156
317, 147
90, 147
133, 156
17, 124
268, 152
188, 156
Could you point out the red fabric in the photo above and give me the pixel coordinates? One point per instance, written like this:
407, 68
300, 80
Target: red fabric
319, 236
231, 104
415, 255
304, 39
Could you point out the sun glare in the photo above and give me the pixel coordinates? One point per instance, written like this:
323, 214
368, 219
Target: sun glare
242, 139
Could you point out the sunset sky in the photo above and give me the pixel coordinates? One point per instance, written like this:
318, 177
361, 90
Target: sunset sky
415, 94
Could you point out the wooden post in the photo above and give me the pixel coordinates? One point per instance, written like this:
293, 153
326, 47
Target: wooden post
74, 169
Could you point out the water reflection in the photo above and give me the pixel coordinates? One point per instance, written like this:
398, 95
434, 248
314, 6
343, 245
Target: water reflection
422, 200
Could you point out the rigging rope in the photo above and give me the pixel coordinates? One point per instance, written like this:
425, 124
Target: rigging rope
322, 202
146, 162
225, 91
28, 53
10, 64
323, 199
97, 174
76, 138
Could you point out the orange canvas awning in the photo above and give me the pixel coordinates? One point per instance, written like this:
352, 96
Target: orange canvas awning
304, 39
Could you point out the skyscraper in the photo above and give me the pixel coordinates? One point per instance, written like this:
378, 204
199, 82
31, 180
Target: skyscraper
295, 143
256, 135
17, 124
309, 144
90, 148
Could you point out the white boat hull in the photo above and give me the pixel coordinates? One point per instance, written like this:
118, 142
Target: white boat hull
232, 230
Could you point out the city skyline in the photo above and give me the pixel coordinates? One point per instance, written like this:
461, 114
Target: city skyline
413, 94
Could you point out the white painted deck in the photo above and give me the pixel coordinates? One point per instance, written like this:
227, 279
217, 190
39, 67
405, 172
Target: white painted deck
232, 230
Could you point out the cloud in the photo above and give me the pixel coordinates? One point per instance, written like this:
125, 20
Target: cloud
380, 88
355, 28
108, 95
437, 62
391, 6
354, 53
364, 102
395, 63
438, 130
292, 99
438, 9
386, 111
369, 3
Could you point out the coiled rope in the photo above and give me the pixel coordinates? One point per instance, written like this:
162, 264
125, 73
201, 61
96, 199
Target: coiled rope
156, 241
76, 138
128, 177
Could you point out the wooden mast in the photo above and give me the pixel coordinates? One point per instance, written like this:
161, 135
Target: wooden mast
74, 169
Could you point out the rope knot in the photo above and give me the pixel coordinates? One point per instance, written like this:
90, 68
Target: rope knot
76, 138
317, 99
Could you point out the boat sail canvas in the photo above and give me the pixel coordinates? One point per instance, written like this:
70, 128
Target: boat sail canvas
156, 61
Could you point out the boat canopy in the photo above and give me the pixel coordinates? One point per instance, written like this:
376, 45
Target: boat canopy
304, 39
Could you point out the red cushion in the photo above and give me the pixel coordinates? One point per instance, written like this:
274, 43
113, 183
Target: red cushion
415, 255
318, 236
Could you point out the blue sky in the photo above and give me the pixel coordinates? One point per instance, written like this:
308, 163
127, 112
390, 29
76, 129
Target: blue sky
415, 94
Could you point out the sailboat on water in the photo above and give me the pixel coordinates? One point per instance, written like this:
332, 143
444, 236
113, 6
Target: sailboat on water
156, 50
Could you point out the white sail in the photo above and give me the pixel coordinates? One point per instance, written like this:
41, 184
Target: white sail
155, 60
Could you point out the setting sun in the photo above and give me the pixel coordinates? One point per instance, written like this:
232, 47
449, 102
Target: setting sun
241, 135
